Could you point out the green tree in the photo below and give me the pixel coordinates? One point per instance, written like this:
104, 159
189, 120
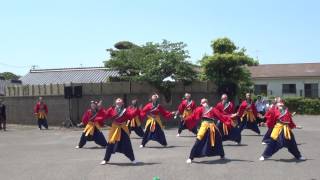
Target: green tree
9, 76
153, 63
125, 60
124, 45
227, 67
223, 45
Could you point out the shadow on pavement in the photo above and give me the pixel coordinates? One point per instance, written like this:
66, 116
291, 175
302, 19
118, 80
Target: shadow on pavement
235, 145
301, 143
187, 136
221, 161
252, 135
93, 147
135, 138
293, 160
130, 164
162, 147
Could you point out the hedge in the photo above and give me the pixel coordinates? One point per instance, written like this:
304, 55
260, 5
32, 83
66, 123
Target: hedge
303, 105
299, 104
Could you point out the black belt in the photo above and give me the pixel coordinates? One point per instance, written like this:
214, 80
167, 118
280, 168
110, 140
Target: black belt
281, 122
210, 120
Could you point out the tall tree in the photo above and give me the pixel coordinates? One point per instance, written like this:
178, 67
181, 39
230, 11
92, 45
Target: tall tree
227, 67
9, 76
160, 64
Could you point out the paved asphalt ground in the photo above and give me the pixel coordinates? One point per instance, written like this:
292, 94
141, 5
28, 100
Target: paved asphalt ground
28, 153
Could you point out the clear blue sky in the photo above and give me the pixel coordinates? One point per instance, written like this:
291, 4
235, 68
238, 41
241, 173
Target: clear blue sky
67, 33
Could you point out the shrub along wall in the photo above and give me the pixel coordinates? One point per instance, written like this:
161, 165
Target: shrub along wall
303, 105
300, 105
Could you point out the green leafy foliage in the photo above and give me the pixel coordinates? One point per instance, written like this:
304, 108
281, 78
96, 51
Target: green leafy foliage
9, 76
303, 105
152, 63
124, 45
223, 45
226, 67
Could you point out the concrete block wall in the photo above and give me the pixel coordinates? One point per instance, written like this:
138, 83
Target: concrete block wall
20, 106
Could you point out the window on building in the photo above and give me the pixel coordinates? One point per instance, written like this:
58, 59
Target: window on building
260, 89
311, 90
289, 88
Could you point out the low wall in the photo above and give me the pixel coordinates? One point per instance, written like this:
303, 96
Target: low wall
20, 100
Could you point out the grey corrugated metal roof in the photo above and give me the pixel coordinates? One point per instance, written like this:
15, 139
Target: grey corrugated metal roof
285, 70
68, 75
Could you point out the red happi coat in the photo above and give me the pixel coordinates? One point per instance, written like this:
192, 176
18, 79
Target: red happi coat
213, 113
191, 106
40, 107
99, 117
276, 115
245, 106
270, 116
127, 113
229, 109
136, 111
184, 105
148, 109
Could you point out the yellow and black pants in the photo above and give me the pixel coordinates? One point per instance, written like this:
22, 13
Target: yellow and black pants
208, 142
281, 136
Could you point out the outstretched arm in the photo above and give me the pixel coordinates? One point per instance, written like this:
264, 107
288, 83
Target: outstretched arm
166, 114
107, 113
254, 110
196, 115
181, 108
270, 118
36, 109
225, 119
131, 113
85, 117
292, 125
144, 111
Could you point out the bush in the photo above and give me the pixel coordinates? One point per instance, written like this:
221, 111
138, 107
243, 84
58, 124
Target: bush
303, 105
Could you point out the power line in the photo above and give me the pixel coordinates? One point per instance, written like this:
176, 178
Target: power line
13, 66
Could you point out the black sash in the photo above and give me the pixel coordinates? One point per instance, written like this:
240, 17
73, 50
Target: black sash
119, 115
93, 115
153, 109
226, 106
282, 115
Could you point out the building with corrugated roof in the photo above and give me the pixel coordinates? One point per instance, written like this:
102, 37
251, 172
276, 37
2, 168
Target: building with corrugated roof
68, 75
300, 79
4, 83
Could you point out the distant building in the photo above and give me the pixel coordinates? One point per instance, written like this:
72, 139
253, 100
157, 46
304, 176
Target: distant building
4, 83
287, 79
68, 75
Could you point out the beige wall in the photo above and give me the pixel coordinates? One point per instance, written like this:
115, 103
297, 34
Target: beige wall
21, 100
275, 85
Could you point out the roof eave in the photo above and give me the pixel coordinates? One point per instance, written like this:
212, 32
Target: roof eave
288, 77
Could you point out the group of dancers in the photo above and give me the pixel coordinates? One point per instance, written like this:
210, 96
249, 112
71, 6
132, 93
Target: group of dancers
216, 124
